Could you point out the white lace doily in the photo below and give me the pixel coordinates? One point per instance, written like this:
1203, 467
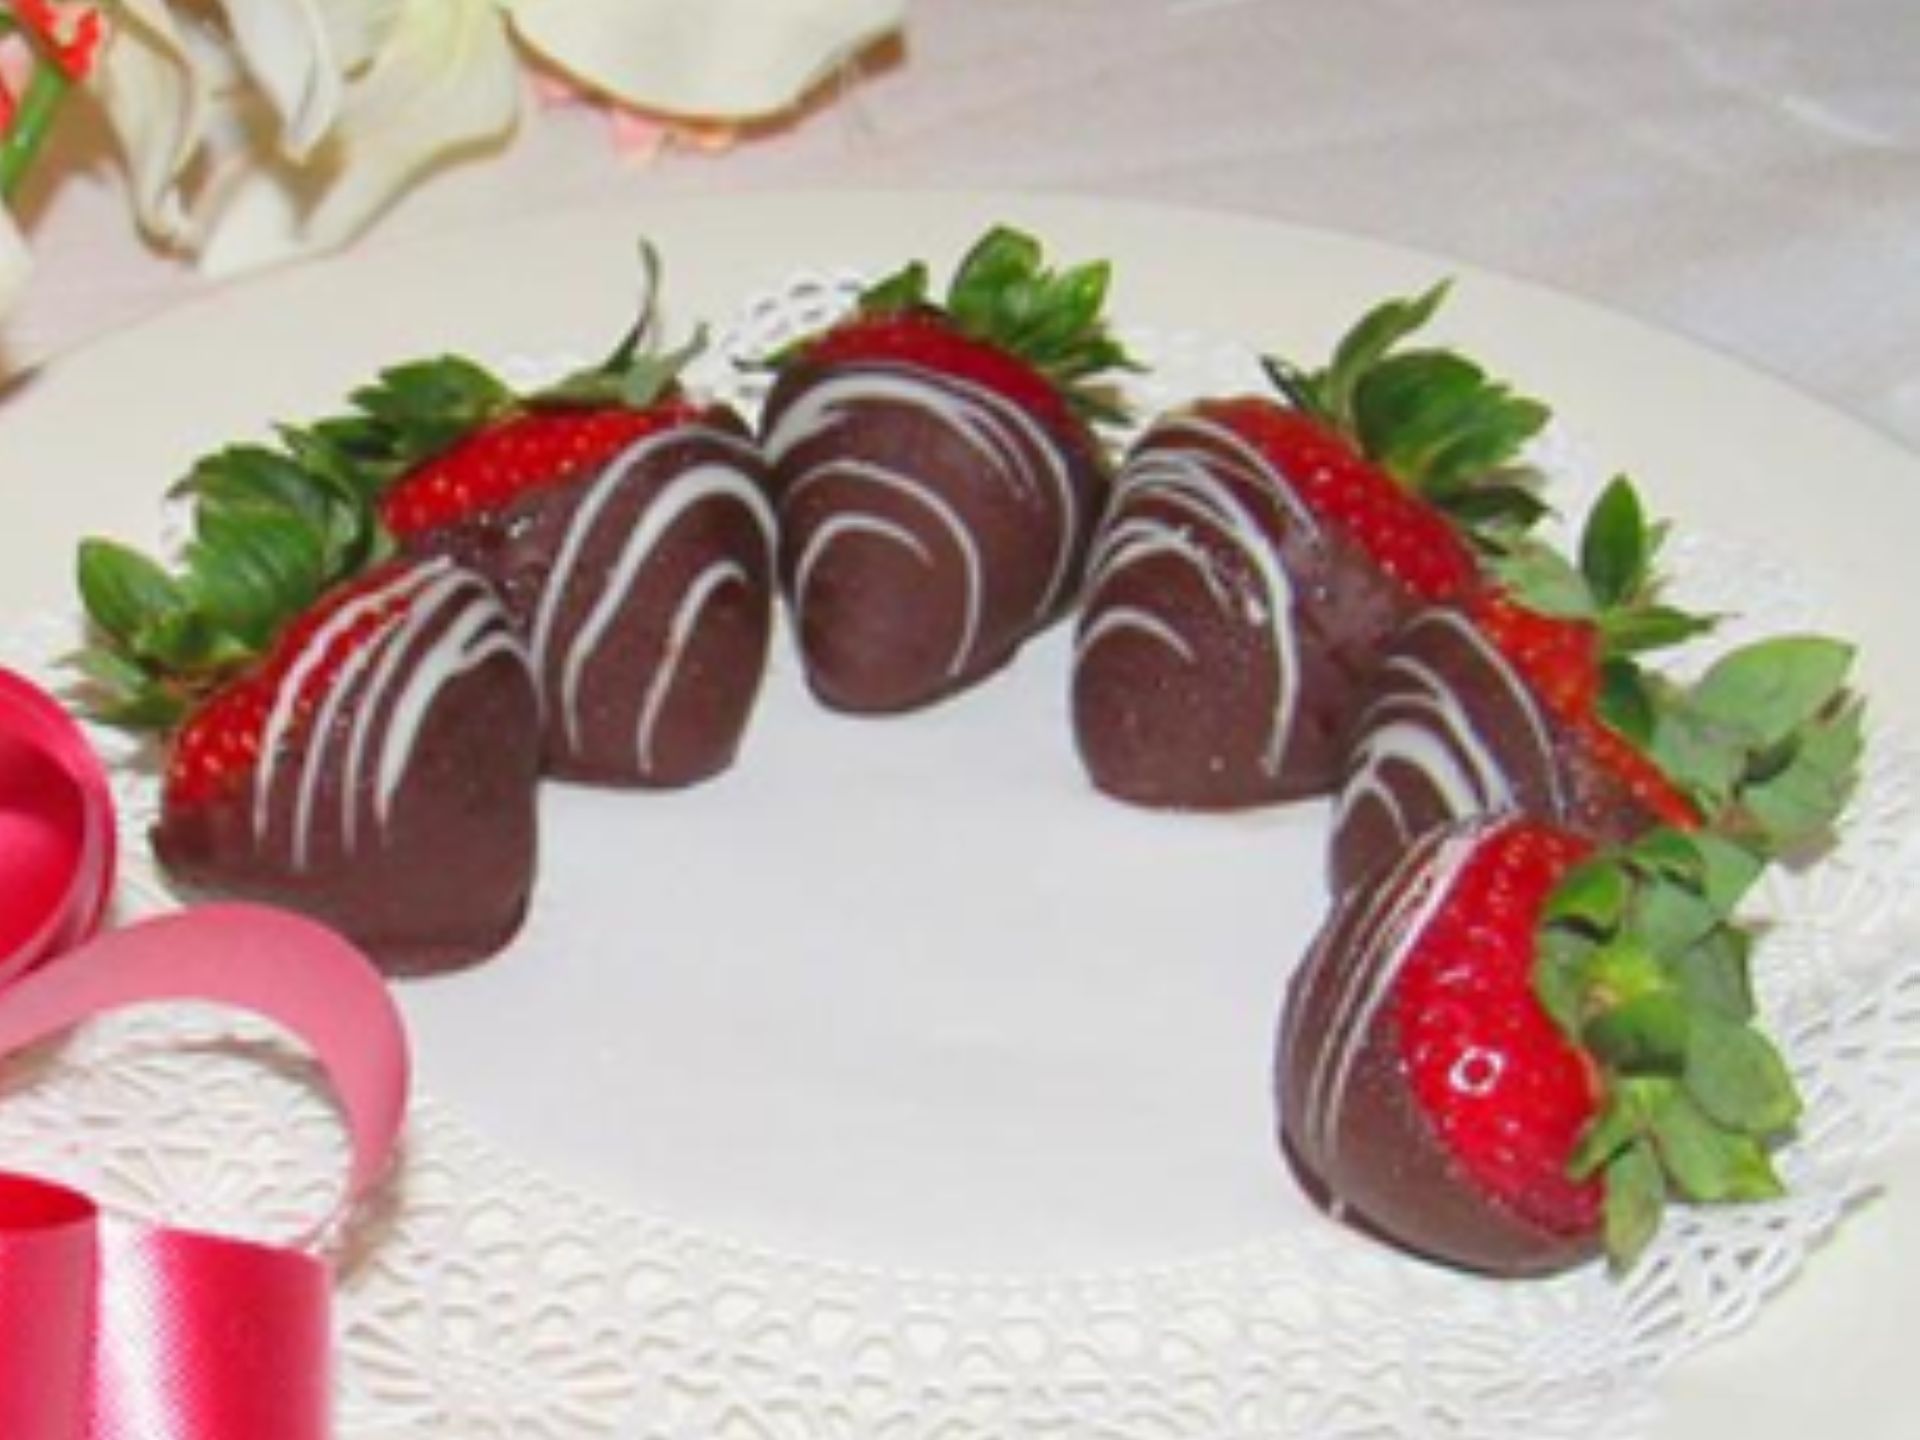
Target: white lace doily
481, 1299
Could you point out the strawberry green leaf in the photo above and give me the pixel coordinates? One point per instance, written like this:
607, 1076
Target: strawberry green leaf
1621, 1121
1737, 1077
1715, 973
1728, 870
427, 405
1542, 579
1671, 917
1626, 701
1636, 1193
1647, 1035
1560, 973
1592, 896
1431, 418
1797, 804
124, 592
248, 572
1768, 690
1705, 1162
1667, 854
1369, 342
1641, 627
1614, 549
905, 289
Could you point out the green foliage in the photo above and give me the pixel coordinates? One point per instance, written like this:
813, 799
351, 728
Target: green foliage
1003, 293
1643, 964
1433, 419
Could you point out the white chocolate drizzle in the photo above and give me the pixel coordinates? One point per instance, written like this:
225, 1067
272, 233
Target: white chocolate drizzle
1186, 478
1374, 945
1016, 451
1419, 722
705, 481
444, 622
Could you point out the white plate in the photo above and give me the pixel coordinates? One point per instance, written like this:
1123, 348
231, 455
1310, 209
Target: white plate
937, 1008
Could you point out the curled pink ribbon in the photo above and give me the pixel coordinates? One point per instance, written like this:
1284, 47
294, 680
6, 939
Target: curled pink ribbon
112, 1329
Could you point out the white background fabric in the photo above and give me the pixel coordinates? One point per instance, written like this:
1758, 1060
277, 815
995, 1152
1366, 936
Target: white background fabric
1746, 172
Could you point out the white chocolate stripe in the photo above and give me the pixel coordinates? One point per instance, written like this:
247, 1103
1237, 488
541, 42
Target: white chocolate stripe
1181, 479
1417, 888
1435, 750
446, 582
286, 700
605, 487
345, 683
981, 417
1138, 539
686, 615
1128, 619
1256, 466
861, 472
822, 540
476, 635
693, 486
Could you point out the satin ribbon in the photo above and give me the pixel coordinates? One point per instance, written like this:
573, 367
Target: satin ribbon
112, 1329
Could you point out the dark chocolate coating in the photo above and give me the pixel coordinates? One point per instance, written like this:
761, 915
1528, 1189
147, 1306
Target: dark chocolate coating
1451, 730
645, 593
1226, 636
1350, 1124
928, 527
441, 878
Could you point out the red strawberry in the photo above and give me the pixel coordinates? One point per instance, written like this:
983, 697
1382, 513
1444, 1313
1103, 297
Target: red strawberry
937, 476
1404, 535
626, 526
1506, 1051
1529, 695
373, 764
929, 339
517, 454
1261, 550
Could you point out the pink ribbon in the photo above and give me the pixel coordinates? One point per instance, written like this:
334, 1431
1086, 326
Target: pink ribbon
112, 1329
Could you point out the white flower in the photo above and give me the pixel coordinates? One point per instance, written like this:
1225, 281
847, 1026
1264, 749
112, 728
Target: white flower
252, 129
293, 123
717, 59
14, 262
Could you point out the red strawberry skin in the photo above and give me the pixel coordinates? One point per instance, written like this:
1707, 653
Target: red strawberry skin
1407, 538
1489, 707
376, 771
647, 619
1425, 1094
1249, 690
926, 339
506, 460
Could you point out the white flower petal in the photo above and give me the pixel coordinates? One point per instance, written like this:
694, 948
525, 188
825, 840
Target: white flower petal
15, 262
444, 83
154, 95
288, 51
356, 28
720, 59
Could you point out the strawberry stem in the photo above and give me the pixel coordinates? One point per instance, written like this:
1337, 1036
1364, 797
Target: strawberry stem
32, 122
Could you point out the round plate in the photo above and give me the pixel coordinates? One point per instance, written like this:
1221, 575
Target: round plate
903, 993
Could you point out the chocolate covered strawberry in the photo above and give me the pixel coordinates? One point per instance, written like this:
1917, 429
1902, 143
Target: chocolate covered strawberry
626, 526
367, 755
1510, 1049
1531, 695
1261, 549
937, 476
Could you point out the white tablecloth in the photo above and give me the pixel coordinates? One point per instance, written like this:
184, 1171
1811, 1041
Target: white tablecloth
1745, 172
